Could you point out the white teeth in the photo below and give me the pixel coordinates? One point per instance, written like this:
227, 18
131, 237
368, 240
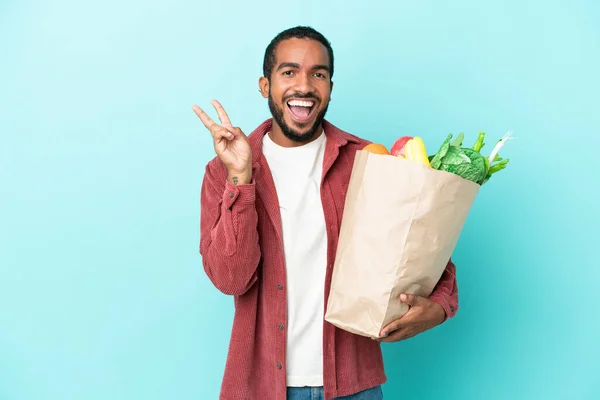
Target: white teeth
300, 103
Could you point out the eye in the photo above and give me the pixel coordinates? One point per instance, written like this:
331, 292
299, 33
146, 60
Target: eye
288, 73
320, 75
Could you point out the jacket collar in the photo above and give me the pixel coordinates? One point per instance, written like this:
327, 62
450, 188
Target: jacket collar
335, 138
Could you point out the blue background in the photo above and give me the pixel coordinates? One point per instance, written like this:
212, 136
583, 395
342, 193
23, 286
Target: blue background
102, 292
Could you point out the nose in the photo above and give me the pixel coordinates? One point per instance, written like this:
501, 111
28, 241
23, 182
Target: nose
304, 84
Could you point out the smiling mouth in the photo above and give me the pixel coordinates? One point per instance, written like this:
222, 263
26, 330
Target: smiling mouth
301, 110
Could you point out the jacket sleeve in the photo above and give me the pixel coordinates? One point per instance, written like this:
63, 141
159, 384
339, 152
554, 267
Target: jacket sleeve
445, 292
228, 231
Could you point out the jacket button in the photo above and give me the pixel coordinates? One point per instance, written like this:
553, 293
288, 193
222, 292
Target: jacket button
280, 326
231, 195
451, 308
278, 366
280, 286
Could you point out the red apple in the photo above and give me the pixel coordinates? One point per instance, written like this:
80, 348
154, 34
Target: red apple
398, 146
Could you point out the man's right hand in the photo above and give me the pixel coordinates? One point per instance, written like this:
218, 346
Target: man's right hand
231, 145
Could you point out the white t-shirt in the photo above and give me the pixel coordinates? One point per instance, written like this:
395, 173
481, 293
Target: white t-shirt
297, 176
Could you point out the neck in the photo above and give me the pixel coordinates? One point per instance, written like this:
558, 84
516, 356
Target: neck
277, 136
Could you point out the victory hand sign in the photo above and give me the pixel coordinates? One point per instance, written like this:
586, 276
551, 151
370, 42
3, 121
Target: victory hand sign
231, 145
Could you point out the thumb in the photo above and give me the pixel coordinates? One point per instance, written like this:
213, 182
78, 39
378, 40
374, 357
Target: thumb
410, 299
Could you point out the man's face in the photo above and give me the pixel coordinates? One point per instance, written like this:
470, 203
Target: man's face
300, 87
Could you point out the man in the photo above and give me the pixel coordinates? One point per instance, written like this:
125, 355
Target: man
271, 208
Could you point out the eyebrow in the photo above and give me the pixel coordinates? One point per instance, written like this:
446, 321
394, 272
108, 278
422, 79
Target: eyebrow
296, 65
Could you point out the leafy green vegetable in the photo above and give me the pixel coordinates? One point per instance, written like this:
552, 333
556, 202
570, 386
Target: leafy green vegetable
468, 163
486, 163
436, 161
497, 167
494, 168
479, 143
464, 162
458, 141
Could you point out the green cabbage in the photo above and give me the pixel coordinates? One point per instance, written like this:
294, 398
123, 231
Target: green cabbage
468, 163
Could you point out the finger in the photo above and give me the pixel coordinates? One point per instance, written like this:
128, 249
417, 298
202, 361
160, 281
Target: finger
393, 326
223, 117
409, 299
404, 321
206, 120
235, 131
220, 132
395, 336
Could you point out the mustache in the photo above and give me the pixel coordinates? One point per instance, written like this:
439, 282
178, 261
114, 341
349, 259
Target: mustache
299, 95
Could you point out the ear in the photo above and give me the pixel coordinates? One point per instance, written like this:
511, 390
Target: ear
330, 87
263, 86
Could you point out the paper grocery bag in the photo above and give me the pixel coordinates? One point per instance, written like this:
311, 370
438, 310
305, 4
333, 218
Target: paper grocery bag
401, 223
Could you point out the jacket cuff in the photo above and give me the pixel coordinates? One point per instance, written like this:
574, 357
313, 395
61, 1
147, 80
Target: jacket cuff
243, 195
450, 308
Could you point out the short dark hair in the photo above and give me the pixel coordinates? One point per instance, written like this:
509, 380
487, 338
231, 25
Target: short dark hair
299, 32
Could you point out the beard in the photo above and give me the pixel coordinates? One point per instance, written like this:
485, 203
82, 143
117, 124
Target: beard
289, 131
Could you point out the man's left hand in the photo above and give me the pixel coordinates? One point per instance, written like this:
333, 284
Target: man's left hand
423, 314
